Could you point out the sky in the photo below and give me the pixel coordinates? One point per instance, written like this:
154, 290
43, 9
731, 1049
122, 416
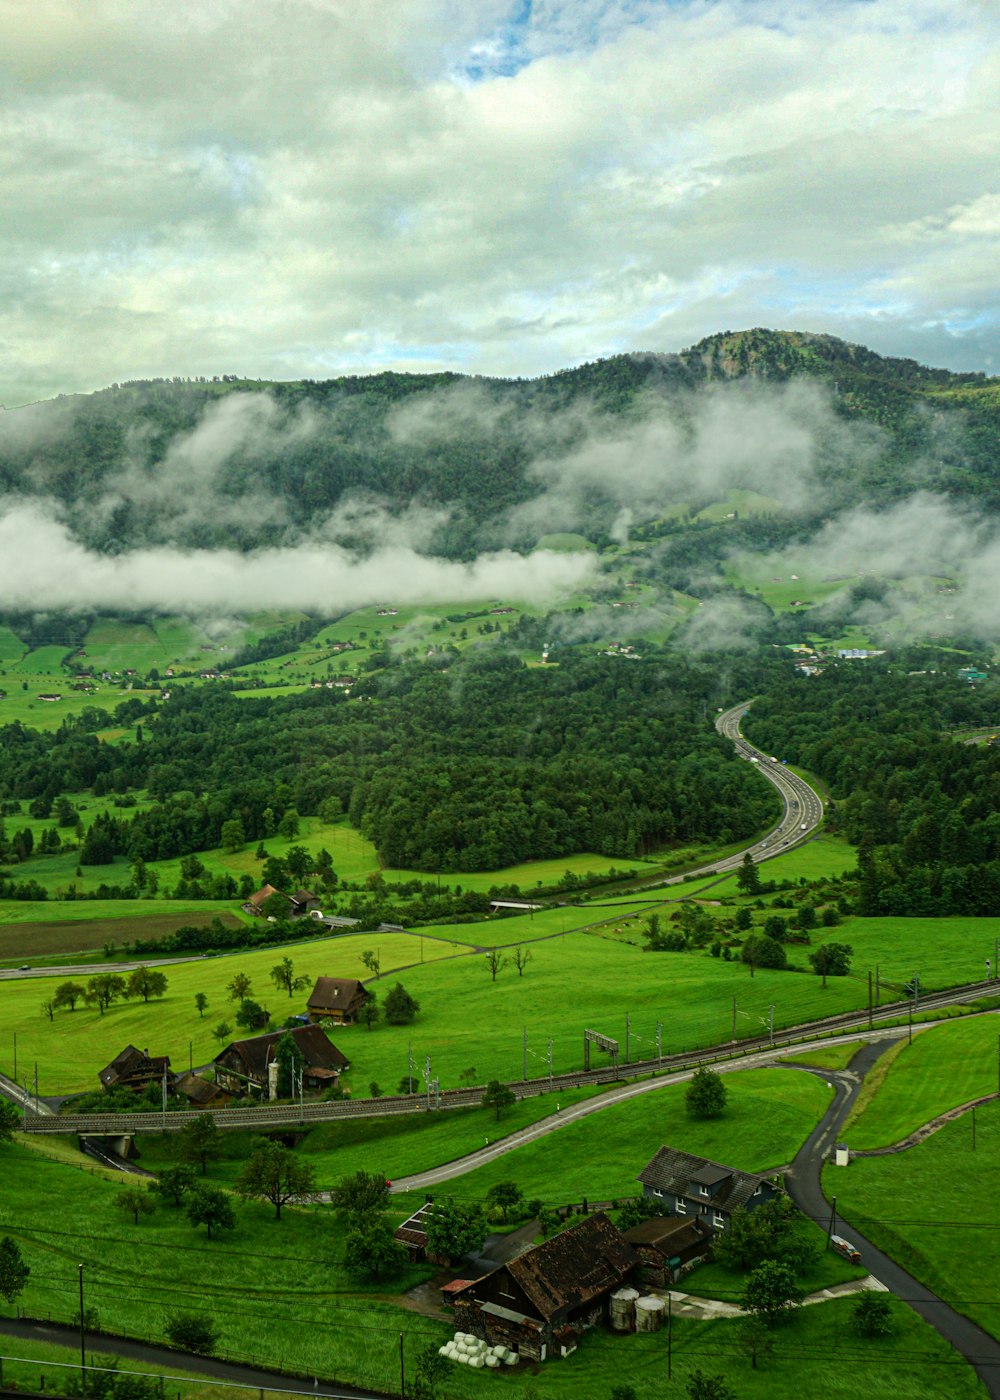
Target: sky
289, 188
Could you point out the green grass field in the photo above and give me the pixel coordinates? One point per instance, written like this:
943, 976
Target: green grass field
769, 1115
275, 1290
945, 1066
830, 1057
71, 1049
947, 1238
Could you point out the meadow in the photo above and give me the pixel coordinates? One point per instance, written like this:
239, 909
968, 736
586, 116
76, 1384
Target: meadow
947, 1065
932, 1208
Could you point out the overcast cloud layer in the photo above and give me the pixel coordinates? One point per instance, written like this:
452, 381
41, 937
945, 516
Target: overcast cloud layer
280, 188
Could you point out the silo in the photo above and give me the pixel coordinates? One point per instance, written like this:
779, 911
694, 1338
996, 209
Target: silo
648, 1314
622, 1309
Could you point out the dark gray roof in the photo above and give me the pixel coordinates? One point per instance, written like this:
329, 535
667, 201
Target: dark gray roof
672, 1170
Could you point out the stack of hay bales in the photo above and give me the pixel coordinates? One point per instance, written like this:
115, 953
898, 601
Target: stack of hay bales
470, 1350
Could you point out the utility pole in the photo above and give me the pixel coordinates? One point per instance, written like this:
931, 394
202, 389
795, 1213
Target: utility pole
83, 1348
734, 1020
402, 1364
550, 1066
659, 1044
870, 1014
878, 990
15, 1057
524, 1055
628, 1023
427, 1080
670, 1333
770, 1024
833, 1219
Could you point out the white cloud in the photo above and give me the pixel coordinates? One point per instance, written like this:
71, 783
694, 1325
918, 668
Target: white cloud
292, 188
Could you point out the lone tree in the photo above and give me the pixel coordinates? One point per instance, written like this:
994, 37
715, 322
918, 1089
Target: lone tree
400, 1008
14, 1272
272, 1173
174, 1183
748, 876
192, 1332
522, 957
363, 1193
370, 1009
240, 988
68, 994
370, 1250
702, 1386
200, 1141
146, 982
135, 1201
495, 961
770, 1292
832, 960
705, 1096
455, 1230
498, 1097
251, 1015
222, 1032
372, 961
211, 1207
284, 978
504, 1196
871, 1315
201, 1002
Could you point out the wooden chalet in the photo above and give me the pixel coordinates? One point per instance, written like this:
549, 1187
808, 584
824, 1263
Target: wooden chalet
697, 1188
255, 904
302, 902
337, 999
668, 1246
540, 1303
135, 1069
202, 1093
249, 1066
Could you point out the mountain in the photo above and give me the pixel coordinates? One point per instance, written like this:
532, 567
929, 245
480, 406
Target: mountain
241, 463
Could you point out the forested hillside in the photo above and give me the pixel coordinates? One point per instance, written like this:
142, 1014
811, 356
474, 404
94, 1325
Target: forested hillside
482, 766
118, 462
922, 806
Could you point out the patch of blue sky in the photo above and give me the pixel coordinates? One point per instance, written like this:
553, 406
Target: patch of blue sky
536, 29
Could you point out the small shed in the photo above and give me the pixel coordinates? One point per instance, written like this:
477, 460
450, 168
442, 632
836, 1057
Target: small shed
668, 1246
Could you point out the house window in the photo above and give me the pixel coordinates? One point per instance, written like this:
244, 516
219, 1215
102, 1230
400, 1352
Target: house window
681, 1208
718, 1219
657, 1193
703, 1190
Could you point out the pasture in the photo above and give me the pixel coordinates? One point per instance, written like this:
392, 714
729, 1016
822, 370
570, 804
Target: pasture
945, 1066
948, 1238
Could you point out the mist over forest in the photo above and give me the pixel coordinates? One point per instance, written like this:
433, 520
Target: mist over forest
221, 498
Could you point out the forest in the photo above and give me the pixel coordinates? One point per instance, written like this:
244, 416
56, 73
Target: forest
921, 805
478, 766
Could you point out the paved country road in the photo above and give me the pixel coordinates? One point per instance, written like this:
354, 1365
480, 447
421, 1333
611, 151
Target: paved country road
169, 1362
804, 1184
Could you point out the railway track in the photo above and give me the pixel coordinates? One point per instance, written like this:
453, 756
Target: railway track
296, 1115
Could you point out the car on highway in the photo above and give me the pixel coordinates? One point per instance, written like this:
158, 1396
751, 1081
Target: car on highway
25, 968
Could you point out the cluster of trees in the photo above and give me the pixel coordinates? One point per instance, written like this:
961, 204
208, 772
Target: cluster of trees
105, 988
500, 764
922, 807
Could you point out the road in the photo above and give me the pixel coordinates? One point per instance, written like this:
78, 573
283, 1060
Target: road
803, 1181
169, 1362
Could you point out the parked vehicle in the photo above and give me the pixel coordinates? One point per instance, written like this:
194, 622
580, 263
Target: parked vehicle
844, 1247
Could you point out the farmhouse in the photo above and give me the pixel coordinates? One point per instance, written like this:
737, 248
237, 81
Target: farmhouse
299, 903
255, 904
202, 1093
697, 1188
249, 1066
337, 999
135, 1069
542, 1301
667, 1246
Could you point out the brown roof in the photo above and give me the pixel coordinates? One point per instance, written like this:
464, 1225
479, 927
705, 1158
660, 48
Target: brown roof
672, 1170
265, 892
198, 1090
574, 1267
258, 1052
132, 1060
335, 993
669, 1233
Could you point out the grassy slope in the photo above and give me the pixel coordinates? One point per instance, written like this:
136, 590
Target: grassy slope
933, 1208
945, 1066
574, 982
830, 1057
274, 1304
770, 1113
